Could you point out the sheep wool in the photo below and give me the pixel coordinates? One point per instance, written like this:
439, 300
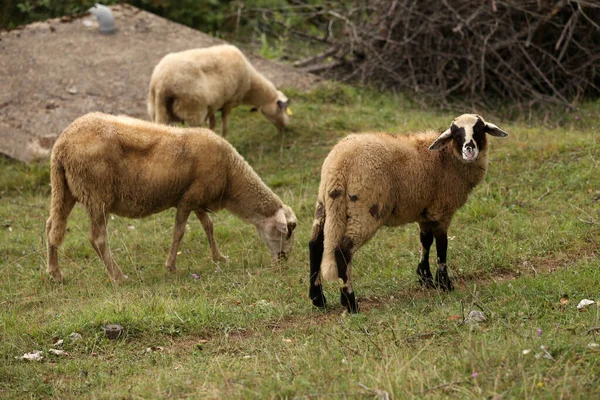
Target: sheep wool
133, 168
374, 179
193, 85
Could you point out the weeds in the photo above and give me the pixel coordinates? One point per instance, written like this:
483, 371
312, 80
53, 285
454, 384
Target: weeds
523, 251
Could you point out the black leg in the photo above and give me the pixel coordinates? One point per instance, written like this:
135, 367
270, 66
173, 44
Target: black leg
315, 248
343, 259
423, 270
441, 276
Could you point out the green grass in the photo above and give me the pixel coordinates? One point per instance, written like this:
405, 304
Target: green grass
527, 236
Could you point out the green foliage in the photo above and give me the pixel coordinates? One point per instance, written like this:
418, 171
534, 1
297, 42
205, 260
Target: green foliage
245, 329
20, 12
19, 177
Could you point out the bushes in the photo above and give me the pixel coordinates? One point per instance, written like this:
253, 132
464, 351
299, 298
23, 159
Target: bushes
532, 51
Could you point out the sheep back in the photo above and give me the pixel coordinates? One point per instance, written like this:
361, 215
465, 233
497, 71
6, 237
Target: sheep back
134, 168
209, 76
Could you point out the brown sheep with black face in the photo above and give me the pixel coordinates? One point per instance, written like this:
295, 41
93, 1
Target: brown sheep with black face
133, 168
193, 85
376, 179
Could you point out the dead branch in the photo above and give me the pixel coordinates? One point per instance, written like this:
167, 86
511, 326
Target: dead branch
529, 53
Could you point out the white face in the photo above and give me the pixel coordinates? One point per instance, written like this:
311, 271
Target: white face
277, 112
465, 126
278, 233
467, 136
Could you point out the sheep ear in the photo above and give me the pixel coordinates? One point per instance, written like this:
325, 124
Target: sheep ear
442, 141
280, 222
493, 130
282, 104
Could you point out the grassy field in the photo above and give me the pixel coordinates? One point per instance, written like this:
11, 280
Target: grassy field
524, 250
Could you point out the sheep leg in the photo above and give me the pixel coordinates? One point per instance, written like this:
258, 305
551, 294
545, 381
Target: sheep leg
98, 238
343, 259
225, 117
181, 218
212, 121
423, 270
315, 247
56, 227
441, 245
207, 224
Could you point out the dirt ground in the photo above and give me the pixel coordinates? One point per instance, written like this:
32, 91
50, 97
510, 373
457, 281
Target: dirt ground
54, 71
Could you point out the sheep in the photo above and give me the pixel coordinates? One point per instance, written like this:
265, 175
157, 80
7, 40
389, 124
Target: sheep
376, 179
133, 168
191, 86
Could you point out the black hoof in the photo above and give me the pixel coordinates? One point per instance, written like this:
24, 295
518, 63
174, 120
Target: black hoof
443, 281
427, 282
425, 277
317, 297
349, 301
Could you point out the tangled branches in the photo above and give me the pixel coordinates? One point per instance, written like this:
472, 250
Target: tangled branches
532, 51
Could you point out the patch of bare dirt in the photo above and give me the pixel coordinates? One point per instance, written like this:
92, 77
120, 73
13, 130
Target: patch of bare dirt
54, 71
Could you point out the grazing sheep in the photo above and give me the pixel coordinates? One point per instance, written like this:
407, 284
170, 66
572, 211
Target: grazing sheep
371, 180
132, 168
191, 86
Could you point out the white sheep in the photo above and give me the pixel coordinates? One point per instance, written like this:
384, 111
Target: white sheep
371, 180
191, 86
133, 168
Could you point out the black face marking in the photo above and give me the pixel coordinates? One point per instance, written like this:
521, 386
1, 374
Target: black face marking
459, 137
290, 226
334, 194
479, 134
353, 197
374, 211
319, 211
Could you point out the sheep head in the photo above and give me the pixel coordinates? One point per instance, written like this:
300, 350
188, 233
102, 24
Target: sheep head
277, 232
278, 112
468, 136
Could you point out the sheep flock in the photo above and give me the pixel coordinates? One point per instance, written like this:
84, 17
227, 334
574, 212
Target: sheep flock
134, 168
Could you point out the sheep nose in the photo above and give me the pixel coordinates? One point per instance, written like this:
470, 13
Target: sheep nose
470, 145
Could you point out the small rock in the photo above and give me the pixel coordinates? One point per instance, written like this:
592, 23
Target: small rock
34, 356
475, 316
113, 331
584, 303
58, 352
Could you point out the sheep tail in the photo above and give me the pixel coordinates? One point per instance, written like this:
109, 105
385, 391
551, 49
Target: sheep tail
335, 226
60, 203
